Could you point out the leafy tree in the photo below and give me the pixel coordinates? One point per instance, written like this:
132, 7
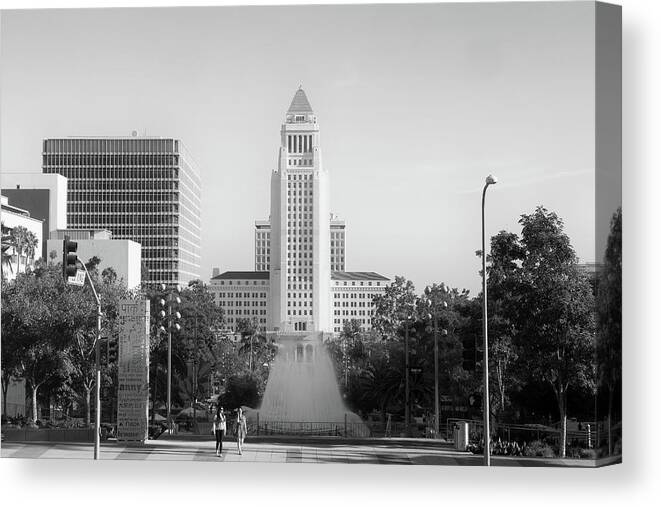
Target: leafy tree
194, 343
439, 313
609, 335
556, 320
504, 294
39, 321
394, 309
241, 390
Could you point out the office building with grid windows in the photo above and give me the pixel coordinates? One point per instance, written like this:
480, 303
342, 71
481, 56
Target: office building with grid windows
145, 189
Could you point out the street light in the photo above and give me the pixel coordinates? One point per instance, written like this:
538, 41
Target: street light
490, 180
433, 314
172, 299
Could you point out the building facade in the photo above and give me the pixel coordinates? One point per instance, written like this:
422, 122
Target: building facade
300, 251
122, 255
352, 296
337, 239
300, 227
246, 295
242, 295
144, 189
17, 260
263, 244
43, 195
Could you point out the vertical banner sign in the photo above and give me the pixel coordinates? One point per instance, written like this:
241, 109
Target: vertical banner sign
133, 371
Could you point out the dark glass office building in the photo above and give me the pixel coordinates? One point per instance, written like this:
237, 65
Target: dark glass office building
145, 189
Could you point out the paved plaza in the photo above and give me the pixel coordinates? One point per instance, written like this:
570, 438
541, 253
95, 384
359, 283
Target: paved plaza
377, 451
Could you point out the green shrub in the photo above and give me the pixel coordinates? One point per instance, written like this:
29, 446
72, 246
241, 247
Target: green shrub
537, 448
588, 454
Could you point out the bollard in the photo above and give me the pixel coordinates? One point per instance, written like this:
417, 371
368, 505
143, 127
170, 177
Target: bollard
589, 436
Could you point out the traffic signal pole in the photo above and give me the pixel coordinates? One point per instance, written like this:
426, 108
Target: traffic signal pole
69, 269
97, 383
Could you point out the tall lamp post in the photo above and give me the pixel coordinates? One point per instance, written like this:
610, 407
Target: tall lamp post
407, 407
490, 180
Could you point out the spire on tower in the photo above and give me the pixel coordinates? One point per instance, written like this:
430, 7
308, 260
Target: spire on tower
300, 103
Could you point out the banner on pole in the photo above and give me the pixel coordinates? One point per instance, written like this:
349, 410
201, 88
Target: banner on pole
133, 371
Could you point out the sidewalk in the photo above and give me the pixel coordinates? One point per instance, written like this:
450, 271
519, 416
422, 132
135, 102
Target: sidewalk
374, 452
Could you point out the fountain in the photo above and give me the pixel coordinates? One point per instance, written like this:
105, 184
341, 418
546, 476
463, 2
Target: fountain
302, 395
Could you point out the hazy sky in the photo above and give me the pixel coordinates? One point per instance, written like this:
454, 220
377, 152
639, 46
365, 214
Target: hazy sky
416, 105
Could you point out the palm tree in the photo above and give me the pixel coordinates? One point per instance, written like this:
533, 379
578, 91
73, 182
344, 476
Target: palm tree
23, 241
6, 245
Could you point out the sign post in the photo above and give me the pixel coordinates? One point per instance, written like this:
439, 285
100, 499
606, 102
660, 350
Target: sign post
133, 372
78, 279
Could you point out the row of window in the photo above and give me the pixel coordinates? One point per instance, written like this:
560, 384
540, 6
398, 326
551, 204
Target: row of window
299, 177
299, 143
225, 303
351, 304
246, 312
131, 145
302, 161
354, 312
353, 283
116, 171
354, 295
299, 303
237, 295
300, 312
246, 282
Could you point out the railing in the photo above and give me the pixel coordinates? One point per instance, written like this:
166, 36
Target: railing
527, 433
348, 429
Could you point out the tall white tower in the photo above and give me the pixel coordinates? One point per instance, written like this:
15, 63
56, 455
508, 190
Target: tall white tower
300, 227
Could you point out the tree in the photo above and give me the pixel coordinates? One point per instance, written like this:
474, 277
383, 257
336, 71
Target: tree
196, 340
556, 320
25, 242
39, 323
504, 293
6, 245
609, 335
394, 308
441, 320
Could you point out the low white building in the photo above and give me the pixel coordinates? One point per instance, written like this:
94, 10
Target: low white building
12, 217
123, 255
242, 295
246, 295
352, 296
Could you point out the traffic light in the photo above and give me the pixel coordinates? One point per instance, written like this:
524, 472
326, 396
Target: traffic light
69, 258
113, 350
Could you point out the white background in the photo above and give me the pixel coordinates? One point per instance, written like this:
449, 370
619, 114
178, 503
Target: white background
635, 482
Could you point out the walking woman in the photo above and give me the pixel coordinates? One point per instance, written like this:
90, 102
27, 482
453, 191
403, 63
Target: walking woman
241, 429
219, 427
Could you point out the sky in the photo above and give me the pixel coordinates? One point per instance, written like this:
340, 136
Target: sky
417, 104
